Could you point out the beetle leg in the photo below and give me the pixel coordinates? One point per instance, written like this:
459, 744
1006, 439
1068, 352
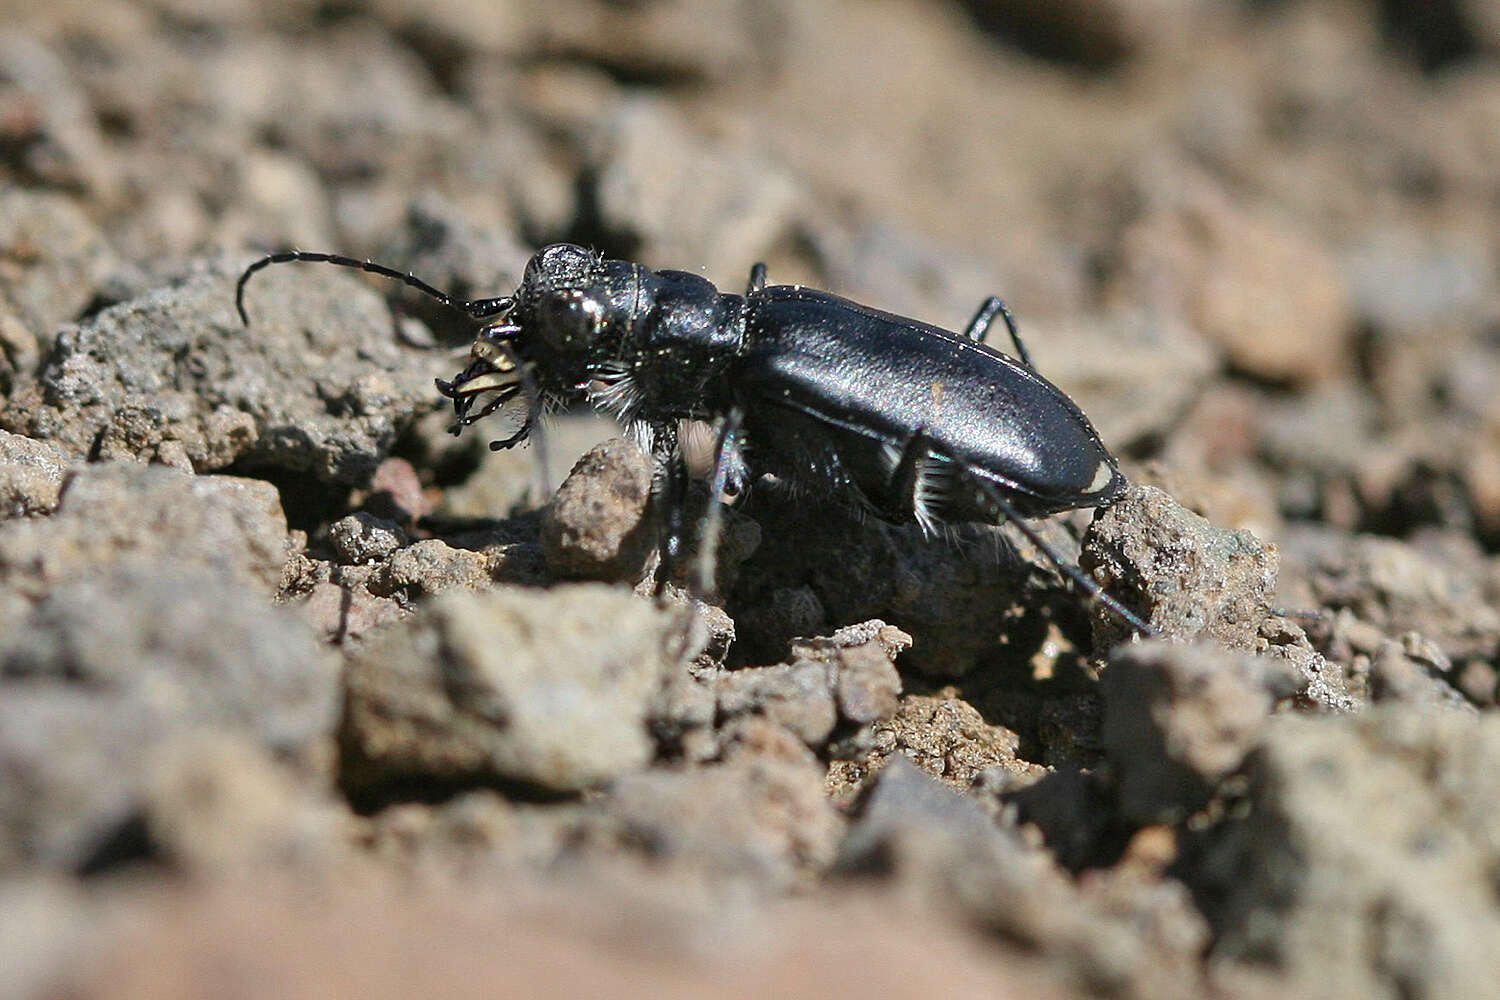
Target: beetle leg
979, 327
1089, 585
726, 459
923, 479
667, 457
757, 278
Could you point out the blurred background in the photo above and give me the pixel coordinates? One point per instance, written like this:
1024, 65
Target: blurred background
1256, 241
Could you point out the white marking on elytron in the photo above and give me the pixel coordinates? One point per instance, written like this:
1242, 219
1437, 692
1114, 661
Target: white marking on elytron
1102, 477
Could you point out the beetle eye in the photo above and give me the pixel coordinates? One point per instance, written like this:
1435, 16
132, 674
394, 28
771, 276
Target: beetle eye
569, 320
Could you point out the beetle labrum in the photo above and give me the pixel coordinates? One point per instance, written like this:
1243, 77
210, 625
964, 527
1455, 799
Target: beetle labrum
902, 420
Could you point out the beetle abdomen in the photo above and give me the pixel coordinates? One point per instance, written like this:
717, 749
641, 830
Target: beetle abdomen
893, 380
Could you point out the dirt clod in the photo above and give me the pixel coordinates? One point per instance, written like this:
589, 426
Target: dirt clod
1191, 579
597, 526
512, 686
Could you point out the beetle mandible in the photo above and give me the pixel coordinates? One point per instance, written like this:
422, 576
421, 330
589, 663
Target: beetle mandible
899, 419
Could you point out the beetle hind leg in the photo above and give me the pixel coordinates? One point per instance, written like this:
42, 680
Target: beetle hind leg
1079, 578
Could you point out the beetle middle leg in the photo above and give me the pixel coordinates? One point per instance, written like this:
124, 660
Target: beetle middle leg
922, 481
979, 327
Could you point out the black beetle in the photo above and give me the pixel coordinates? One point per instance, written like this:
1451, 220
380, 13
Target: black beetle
901, 420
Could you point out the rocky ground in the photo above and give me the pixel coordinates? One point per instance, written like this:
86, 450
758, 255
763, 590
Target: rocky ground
302, 697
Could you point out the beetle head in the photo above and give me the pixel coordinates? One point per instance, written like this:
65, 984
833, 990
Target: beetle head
561, 304
542, 344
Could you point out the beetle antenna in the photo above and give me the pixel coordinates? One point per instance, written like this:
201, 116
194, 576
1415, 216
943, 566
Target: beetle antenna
1089, 584
477, 308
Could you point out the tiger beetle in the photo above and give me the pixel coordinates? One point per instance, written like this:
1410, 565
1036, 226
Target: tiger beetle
901, 420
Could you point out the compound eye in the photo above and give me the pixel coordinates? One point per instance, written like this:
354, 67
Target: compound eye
570, 320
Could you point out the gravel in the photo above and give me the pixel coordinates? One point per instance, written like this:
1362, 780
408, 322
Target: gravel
287, 671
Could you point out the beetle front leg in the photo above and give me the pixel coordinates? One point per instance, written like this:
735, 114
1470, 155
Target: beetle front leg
726, 460
979, 327
666, 455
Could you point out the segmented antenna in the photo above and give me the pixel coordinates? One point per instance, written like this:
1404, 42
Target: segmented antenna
477, 308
